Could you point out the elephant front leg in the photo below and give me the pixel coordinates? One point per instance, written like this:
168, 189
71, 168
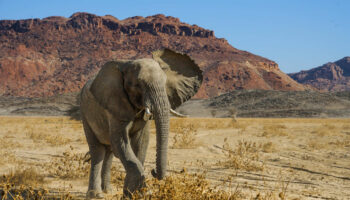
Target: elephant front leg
121, 147
97, 152
139, 142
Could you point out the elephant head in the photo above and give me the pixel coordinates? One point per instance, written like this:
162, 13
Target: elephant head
128, 87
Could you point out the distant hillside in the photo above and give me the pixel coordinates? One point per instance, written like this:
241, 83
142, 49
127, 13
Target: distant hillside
262, 103
332, 76
55, 55
246, 103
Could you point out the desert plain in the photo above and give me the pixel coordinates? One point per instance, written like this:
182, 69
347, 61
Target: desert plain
208, 158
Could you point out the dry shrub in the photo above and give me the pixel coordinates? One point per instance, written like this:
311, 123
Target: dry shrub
10, 191
185, 137
233, 113
183, 185
245, 156
69, 166
274, 130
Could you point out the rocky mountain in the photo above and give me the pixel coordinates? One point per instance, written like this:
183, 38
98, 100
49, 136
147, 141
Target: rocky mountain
332, 76
54, 55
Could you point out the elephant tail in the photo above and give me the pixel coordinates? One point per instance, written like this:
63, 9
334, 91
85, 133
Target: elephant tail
74, 111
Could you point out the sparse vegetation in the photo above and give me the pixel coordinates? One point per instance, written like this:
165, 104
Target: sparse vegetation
245, 167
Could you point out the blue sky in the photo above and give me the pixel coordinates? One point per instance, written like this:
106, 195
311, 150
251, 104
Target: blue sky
297, 34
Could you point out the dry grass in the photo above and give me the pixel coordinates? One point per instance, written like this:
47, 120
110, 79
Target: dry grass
42, 137
19, 184
24, 141
326, 129
273, 130
245, 156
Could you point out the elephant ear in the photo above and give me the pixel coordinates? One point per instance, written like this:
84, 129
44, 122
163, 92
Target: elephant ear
184, 77
108, 89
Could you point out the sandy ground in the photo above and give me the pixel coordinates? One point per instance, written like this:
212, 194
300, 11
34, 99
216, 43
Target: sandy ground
303, 158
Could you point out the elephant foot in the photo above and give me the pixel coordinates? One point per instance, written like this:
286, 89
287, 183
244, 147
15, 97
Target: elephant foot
94, 194
108, 190
136, 186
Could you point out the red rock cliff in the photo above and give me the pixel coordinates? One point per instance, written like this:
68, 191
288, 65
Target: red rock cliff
58, 55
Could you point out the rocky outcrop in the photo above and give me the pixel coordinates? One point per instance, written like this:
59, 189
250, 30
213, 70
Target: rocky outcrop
332, 76
45, 57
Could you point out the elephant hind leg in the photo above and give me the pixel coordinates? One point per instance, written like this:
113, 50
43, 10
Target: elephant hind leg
97, 153
106, 171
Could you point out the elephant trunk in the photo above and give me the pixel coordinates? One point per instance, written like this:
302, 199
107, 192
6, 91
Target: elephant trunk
160, 109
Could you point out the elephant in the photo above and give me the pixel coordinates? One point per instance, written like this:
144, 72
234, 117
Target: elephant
116, 107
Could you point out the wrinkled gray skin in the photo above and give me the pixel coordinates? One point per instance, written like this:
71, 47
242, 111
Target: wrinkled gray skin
113, 106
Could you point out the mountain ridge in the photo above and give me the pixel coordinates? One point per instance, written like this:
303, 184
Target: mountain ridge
331, 76
55, 55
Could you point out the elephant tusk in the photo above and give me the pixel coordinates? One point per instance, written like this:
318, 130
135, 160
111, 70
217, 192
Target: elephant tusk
147, 111
177, 114
147, 114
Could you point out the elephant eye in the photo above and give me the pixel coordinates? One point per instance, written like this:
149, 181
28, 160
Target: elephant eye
137, 85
